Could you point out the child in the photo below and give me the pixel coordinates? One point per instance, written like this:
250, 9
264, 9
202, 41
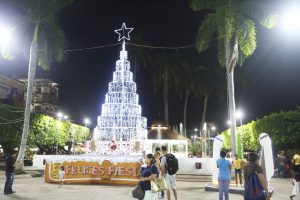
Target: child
61, 175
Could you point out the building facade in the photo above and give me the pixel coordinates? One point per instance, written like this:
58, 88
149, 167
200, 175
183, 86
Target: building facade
11, 91
44, 97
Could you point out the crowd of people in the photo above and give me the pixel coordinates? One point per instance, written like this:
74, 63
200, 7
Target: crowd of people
245, 170
156, 166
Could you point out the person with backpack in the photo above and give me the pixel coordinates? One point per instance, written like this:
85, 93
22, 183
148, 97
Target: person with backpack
169, 167
255, 184
224, 175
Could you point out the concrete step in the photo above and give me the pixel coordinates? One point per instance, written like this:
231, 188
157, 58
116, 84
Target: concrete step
194, 177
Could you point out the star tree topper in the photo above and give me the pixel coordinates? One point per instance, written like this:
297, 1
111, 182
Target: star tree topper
123, 32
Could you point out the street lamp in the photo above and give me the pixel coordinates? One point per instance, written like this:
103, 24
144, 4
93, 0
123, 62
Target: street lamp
60, 115
5, 35
289, 17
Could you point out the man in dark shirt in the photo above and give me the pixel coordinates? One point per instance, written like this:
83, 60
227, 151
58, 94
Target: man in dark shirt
10, 172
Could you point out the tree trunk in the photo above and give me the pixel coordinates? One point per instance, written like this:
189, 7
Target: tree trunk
166, 103
231, 61
31, 75
203, 113
184, 112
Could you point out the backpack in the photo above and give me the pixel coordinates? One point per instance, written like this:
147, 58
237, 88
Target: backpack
254, 189
172, 164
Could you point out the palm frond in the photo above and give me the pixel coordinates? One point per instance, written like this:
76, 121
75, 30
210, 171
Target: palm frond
206, 32
43, 56
226, 22
260, 12
197, 5
246, 35
221, 52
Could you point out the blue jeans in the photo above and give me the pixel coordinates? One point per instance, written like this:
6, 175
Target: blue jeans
223, 188
281, 170
9, 182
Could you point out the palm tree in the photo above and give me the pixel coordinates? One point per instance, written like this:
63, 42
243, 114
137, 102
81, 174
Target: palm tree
233, 23
47, 45
139, 55
188, 79
164, 76
211, 84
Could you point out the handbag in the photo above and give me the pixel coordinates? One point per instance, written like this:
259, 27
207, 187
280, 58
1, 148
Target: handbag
159, 184
138, 192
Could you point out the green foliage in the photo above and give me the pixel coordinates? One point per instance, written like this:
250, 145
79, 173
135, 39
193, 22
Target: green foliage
246, 35
206, 32
194, 148
44, 130
198, 5
50, 38
11, 119
230, 19
283, 129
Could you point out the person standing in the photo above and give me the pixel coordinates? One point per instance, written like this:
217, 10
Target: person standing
61, 175
149, 173
296, 163
251, 167
10, 172
281, 163
158, 156
224, 175
143, 161
170, 178
237, 164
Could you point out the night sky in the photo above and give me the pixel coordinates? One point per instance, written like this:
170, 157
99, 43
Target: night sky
270, 76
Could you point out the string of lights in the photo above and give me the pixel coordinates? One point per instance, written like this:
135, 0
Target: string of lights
12, 122
140, 45
11, 119
132, 44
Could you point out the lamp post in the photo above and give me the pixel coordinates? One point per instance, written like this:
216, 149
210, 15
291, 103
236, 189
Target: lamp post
86, 122
239, 115
60, 115
196, 130
203, 143
213, 129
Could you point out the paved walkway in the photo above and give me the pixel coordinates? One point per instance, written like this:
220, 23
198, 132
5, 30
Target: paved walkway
36, 189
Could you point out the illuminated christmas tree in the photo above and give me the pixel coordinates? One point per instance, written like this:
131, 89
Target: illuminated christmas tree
121, 119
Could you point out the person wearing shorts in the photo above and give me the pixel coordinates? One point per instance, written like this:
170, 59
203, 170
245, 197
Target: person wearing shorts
170, 179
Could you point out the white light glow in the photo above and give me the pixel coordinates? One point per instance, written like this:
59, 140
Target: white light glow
239, 114
87, 121
121, 118
213, 128
59, 114
289, 19
5, 35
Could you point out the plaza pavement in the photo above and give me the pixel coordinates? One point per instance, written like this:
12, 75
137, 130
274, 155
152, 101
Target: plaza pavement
28, 188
